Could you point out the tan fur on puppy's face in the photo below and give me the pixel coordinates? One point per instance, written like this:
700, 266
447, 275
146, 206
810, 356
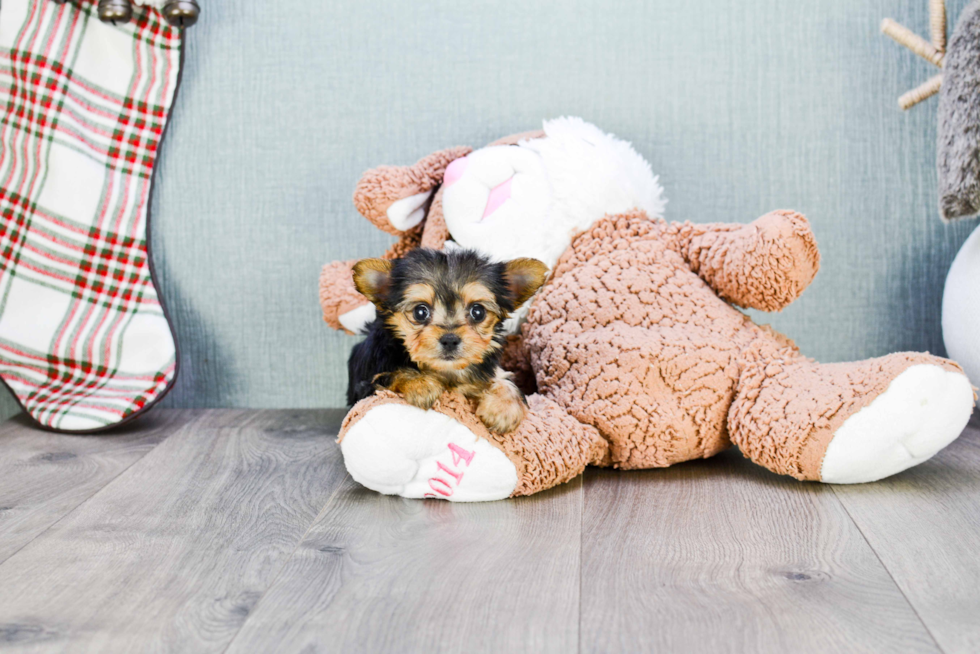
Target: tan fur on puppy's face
468, 311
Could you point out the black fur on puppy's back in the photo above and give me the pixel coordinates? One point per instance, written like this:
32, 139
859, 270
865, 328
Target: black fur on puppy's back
380, 353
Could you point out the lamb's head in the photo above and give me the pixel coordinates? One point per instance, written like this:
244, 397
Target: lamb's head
530, 198
526, 195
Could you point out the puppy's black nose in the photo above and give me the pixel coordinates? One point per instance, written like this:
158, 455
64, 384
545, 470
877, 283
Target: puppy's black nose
450, 342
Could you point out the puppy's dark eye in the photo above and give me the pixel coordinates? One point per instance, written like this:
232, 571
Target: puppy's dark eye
421, 313
477, 313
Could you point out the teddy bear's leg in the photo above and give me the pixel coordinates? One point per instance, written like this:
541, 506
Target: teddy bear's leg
446, 453
659, 396
848, 423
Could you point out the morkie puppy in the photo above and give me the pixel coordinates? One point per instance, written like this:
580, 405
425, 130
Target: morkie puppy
440, 327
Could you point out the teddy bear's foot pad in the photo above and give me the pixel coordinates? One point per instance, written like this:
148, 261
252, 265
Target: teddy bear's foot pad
922, 411
396, 449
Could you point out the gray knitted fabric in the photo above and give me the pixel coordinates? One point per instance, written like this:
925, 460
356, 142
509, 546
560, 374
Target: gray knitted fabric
958, 151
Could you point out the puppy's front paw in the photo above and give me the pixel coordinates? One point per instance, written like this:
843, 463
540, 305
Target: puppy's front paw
502, 407
418, 390
422, 397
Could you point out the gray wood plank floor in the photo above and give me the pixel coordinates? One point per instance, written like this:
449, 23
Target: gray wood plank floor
45, 476
240, 531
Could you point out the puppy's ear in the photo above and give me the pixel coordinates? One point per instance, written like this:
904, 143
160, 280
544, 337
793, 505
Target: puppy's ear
524, 277
372, 277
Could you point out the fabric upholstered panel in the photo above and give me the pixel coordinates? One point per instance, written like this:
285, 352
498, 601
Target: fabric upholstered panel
741, 107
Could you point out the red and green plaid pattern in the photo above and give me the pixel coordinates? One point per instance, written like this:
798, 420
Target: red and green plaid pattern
84, 342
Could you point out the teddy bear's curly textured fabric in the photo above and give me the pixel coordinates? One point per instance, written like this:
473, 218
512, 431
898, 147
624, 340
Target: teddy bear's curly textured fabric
549, 448
631, 337
640, 364
637, 358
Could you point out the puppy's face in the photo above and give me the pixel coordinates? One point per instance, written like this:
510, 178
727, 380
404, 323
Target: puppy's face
449, 325
447, 308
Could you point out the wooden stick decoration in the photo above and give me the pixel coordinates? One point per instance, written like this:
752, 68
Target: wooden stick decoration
933, 51
937, 24
925, 90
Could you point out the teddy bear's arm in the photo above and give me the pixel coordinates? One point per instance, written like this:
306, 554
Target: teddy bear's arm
764, 265
343, 307
395, 198
338, 297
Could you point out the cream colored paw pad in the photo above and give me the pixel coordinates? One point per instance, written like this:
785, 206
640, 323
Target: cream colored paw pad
397, 449
922, 411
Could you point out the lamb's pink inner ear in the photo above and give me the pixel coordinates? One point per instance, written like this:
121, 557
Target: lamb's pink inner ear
498, 195
454, 171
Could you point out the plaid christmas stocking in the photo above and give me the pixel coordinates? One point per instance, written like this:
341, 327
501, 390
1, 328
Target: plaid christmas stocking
84, 340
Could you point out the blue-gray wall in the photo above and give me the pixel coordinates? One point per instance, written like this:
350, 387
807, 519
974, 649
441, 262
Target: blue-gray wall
742, 106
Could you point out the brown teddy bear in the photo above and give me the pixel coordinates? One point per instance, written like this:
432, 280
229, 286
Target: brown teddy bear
634, 349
